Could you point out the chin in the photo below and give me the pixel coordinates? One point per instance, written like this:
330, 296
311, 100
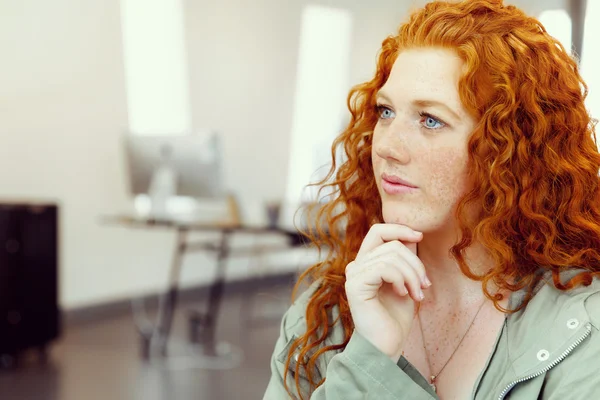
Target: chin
415, 217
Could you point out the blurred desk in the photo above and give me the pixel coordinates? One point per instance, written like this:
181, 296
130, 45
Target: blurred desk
203, 326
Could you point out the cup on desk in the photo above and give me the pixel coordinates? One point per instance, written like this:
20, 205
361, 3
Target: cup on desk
273, 210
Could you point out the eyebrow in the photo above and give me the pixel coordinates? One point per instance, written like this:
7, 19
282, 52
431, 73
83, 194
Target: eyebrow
423, 103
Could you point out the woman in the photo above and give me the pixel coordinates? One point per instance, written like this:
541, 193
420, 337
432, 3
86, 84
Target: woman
471, 208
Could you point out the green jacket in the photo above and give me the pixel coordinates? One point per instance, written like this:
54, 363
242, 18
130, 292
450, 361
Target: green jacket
549, 350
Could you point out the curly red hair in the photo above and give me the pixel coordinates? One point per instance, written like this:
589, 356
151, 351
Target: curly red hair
533, 154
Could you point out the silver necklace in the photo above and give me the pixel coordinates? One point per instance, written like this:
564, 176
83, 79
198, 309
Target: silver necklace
433, 377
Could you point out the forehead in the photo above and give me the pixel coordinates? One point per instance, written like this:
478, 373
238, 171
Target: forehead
430, 73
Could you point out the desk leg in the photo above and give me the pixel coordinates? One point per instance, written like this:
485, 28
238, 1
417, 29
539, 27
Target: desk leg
167, 311
203, 328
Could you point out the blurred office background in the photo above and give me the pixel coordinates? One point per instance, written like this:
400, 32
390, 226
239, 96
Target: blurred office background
270, 77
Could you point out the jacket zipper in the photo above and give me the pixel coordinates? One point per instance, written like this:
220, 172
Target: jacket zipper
551, 365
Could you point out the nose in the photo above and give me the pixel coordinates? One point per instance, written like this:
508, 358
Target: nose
391, 145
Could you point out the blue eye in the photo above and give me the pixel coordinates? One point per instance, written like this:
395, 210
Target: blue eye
430, 122
384, 112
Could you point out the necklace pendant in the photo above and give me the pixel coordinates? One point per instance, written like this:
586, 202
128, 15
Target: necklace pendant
432, 383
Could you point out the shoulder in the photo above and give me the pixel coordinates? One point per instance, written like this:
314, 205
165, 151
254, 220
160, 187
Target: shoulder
581, 301
554, 317
295, 317
294, 325
295, 322
571, 321
556, 330
590, 297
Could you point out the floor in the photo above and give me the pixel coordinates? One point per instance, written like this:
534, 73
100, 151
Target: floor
100, 359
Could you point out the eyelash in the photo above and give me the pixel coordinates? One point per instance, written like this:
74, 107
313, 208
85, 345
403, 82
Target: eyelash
380, 107
424, 114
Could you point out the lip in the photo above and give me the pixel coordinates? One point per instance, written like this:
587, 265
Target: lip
395, 185
397, 180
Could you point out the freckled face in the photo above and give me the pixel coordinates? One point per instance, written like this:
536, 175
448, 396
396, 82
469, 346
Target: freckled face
421, 137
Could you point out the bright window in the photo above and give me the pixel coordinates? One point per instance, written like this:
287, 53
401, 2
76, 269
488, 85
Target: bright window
558, 24
321, 89
156, 71
590, 59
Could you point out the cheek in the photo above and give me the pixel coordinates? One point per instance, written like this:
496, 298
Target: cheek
446, 172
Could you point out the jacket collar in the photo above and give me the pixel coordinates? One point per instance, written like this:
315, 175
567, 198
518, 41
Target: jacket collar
550, 323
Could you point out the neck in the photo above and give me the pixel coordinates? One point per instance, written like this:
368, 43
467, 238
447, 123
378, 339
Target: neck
449, 283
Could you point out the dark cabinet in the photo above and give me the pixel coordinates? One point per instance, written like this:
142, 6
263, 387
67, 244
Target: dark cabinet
29, 310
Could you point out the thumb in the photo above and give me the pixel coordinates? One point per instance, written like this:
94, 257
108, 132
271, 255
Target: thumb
412, 247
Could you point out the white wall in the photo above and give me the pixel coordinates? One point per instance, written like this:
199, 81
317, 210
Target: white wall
63, 109
243, 70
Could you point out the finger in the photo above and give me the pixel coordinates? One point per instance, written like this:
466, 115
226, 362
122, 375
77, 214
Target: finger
410, 277
382, 233
400, 250
404, 251
350, 269
413, 247
412, 281
366, 284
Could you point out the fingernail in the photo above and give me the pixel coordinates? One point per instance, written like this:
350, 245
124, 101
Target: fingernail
417, 233
421, 295
427, 281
